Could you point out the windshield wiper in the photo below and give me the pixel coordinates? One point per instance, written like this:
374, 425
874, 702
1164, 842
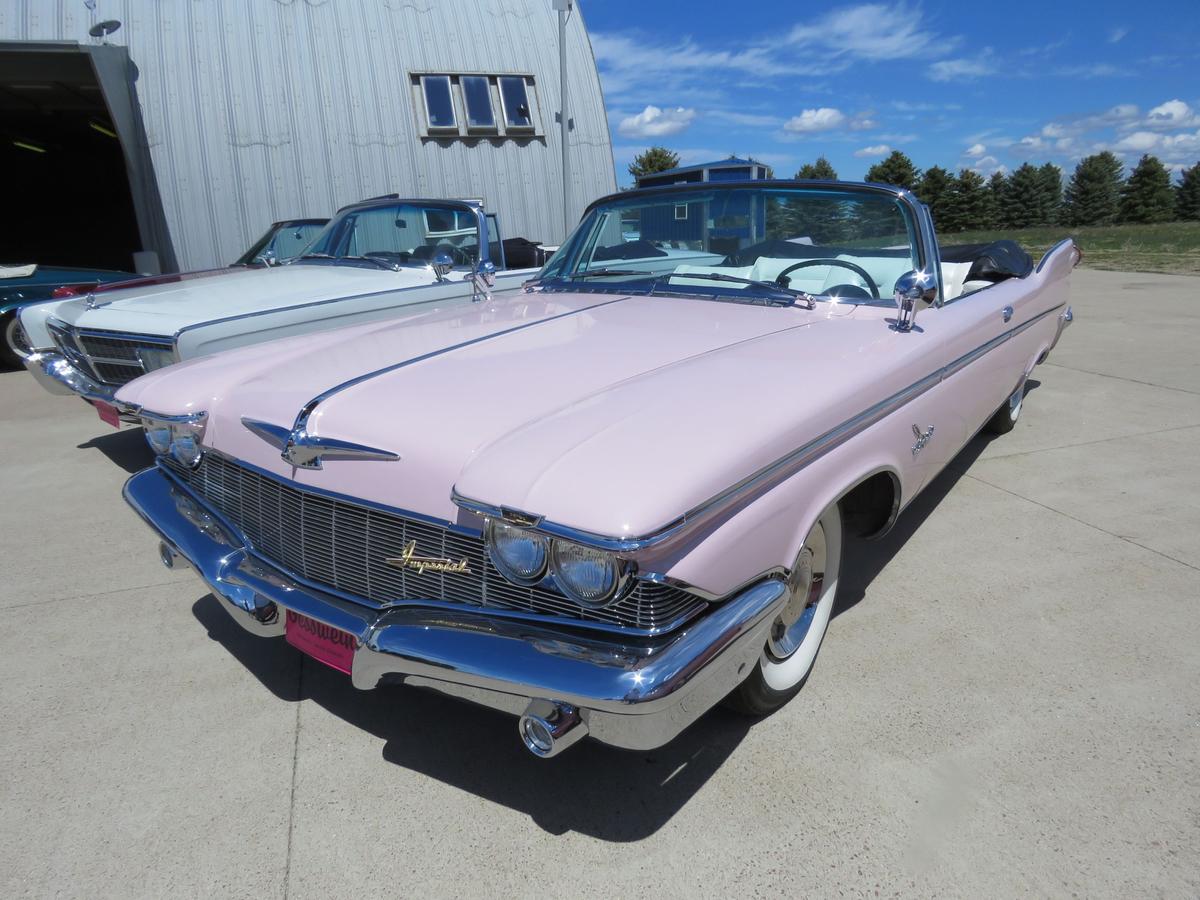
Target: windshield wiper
595, 273
382, 263
317, 256
791, 294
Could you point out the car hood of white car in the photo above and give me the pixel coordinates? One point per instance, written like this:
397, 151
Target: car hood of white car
167, 308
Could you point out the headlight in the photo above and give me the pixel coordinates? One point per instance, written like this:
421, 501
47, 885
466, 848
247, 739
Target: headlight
185, 443
155, 357
158, 435
520, 555
178, 435
589, 577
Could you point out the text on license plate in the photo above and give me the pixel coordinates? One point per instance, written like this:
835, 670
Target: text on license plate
322, 642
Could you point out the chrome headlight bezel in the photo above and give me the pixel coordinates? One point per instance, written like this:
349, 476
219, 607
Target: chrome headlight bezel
496, 532
181, 437
616, 573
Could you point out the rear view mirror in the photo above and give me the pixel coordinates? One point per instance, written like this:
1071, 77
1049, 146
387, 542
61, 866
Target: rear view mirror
914, 292
442, 264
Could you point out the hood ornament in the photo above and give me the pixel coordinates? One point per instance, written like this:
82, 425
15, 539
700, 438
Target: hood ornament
305, 451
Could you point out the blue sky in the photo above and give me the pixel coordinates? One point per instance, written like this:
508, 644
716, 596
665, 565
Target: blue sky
983, 86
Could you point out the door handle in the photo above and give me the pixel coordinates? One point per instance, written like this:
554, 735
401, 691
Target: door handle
1007, 313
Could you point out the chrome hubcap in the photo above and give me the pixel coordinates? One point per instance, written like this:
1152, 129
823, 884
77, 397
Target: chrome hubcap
807, 583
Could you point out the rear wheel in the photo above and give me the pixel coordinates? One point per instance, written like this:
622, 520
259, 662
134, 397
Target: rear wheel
796, 635
15, 345
1006, 416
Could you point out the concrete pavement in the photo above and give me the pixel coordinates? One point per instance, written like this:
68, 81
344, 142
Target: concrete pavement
1007, 702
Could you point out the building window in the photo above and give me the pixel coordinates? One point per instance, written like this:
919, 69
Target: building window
680, 212
515, 99
477, 97
439, 103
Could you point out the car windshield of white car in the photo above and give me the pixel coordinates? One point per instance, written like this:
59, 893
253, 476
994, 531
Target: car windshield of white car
397, 236
849, 242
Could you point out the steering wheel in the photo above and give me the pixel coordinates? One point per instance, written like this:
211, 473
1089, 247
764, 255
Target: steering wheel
782, 280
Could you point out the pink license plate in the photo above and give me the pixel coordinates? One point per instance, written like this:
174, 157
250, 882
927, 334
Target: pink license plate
322, 642
108, 413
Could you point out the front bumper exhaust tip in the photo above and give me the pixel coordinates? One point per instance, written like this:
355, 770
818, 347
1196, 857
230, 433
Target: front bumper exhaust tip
169, 557
548, 728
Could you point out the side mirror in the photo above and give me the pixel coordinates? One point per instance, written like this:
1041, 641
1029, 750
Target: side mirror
483, 279
442, 264
914, 292
267, 257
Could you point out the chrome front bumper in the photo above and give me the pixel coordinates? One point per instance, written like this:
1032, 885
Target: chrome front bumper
54, 372
637, 696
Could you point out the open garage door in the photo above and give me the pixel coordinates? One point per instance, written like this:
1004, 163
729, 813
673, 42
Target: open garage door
79, 184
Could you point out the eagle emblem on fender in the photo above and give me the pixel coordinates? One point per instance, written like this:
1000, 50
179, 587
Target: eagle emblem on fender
922, 438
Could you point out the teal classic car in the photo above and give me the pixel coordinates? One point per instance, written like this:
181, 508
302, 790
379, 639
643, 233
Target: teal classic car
21, 285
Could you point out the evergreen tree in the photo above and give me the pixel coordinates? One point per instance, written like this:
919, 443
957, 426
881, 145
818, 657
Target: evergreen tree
997, 187
1147, 195
1094, 192
969, 206
1024, 198
821, 170
656, 159
896, 170
1187, 196
1051, 209
934, 190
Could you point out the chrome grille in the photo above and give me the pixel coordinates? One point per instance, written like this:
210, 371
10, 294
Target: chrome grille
108, 356
342, 545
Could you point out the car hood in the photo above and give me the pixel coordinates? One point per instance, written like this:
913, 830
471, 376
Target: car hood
606, 413
165, 308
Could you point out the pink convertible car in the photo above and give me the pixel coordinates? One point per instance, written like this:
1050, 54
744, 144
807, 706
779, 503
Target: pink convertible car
618, 497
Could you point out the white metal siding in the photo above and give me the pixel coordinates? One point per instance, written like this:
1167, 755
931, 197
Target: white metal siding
258, 110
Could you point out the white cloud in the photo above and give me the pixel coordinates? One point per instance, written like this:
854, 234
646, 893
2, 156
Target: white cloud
1172, 114
1116, 35
876, 150
813, 120
653, 122
1137, 142
987, 165
976, 150
872, 31
965, 69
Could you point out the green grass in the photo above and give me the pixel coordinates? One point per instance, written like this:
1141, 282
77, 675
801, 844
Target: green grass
1173, 247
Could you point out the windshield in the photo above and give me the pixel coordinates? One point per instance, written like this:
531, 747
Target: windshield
282, 242
397, 235
842, 242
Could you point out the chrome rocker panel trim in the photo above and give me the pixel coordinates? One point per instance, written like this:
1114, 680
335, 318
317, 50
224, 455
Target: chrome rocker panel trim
636, 696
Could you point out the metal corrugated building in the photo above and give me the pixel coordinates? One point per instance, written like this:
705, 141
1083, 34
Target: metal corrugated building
241, 112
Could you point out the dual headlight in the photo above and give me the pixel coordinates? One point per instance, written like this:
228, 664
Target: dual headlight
179, 436
589, 577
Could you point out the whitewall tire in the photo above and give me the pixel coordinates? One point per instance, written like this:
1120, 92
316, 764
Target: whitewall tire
797, 632
15, 346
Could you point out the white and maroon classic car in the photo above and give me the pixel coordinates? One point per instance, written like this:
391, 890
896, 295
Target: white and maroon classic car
374, 260
618, 497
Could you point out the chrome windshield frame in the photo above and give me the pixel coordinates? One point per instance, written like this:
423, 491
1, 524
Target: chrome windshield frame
925, 241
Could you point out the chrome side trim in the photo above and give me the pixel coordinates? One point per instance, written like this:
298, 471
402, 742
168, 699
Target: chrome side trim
1049, 253
781, 468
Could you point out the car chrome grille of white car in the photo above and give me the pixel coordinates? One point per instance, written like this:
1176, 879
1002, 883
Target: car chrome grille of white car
342, 545
108, 356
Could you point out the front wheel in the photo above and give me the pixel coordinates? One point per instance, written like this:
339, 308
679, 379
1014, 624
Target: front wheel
796, 634
15, 346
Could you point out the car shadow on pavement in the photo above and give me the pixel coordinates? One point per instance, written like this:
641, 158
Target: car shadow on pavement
127, 448
606, 793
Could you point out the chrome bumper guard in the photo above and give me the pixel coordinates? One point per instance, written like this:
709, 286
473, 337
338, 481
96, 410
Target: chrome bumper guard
563, 685
1065, 318
53, 371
